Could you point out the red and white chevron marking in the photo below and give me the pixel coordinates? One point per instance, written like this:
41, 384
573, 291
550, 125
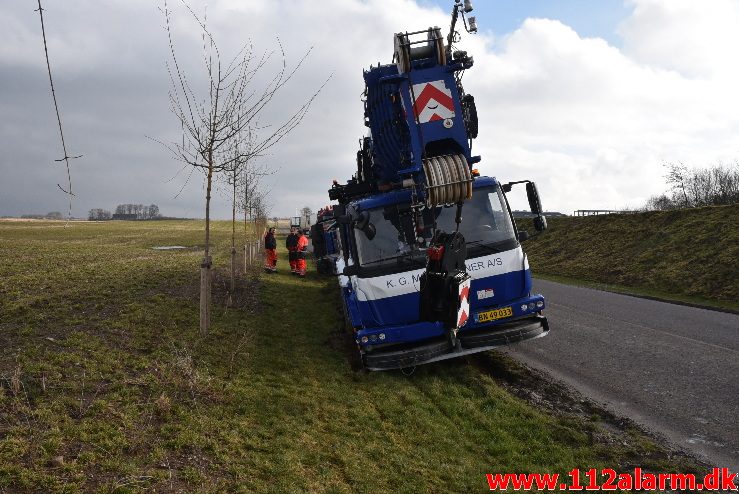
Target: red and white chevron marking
463, 314
433, 101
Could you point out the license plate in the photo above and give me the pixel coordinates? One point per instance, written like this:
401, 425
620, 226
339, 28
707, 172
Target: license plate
492, 315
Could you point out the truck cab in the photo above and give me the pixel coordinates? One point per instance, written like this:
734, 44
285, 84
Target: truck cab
380, 284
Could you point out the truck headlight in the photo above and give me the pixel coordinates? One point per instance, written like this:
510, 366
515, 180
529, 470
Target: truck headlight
540, 304
364, 339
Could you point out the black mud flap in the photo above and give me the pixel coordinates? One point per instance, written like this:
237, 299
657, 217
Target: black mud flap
472, 342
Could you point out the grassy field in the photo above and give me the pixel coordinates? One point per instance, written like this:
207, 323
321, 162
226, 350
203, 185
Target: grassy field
106, 385
685, 255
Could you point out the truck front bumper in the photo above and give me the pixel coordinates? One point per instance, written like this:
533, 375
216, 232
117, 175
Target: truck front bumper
467, 342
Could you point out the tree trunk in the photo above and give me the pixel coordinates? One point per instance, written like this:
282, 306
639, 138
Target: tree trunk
233, 269
207, 205
233, 244
205, 273
205, 295
246, 218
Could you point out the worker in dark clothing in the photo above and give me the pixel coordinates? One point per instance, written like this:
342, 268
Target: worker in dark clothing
270, 251
302, 251
292, 246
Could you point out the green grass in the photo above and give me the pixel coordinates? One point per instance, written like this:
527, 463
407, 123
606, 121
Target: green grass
102, 365
685, 255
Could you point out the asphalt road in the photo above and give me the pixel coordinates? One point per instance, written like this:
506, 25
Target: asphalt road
672, 368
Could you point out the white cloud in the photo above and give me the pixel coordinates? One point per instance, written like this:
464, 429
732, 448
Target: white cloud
697, 39
590, 122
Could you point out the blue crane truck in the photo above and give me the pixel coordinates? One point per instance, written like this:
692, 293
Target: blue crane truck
427, 252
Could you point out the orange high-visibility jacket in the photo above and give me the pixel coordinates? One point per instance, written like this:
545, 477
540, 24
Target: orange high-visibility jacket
302, 243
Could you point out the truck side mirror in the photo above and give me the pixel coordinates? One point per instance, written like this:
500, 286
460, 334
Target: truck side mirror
533, 196
363, 224
540, 223
523, 235
370, 231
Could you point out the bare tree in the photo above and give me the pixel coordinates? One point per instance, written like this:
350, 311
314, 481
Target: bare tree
677, 176
254, 206
692, 187
99, 215
235, 178
659, 203
153, 212
212, 121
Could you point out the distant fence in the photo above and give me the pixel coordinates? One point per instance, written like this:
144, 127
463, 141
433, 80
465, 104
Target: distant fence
594, 212
528, 214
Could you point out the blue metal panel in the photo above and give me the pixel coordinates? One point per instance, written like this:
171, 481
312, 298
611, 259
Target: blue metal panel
426, 132
506, 287
387, 199
404, 309
410, 332
384, 114
411, 116
404, 195
417, 331
350, 302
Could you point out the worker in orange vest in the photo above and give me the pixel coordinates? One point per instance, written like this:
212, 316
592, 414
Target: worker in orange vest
291, 242
270, 251
302, 251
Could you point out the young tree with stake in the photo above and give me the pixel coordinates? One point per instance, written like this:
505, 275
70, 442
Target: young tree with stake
213, 118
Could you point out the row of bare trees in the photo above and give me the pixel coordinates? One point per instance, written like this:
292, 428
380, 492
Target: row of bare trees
141, 211
222, 136
695, 187
137, 211
53, 215
99, 214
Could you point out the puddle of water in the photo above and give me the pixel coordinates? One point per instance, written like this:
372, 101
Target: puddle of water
697, 439
169, 247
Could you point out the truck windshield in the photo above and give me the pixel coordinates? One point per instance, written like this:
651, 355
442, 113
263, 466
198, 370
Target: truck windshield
486, 226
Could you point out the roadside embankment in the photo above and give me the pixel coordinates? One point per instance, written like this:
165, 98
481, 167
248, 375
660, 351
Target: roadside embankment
682, 255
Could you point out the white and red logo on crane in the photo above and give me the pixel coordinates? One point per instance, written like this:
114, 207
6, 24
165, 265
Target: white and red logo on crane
433, 101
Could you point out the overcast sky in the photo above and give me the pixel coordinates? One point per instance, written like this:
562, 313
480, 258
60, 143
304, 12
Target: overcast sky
589, 99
